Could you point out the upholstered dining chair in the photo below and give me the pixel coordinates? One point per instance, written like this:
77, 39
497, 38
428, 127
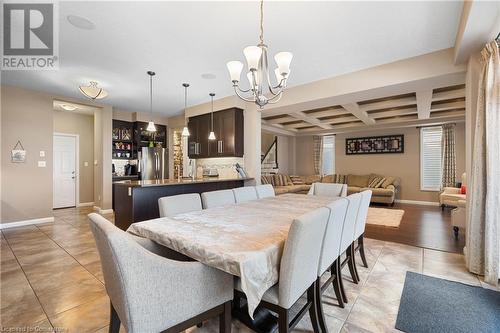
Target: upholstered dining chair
178, 204
265, 191
244, 194
346, 242
298, 271
330, 257
360, 230
152, 293
217, 198
328, 189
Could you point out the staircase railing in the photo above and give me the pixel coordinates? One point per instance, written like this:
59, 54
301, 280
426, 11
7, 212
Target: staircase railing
270, 158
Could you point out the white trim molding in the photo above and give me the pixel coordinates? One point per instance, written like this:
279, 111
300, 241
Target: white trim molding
103, 211
85, 204
26, 222
418, 202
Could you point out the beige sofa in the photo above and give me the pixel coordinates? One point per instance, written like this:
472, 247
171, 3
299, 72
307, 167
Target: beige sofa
385, 193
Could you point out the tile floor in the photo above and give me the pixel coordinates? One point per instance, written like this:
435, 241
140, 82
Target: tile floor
51, 280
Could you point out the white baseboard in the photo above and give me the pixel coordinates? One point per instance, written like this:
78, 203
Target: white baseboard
85, 204
103, 211
26, 222
417, 202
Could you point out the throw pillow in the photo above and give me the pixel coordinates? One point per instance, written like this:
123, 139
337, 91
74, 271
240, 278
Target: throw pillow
388, 181
463, 189
328, 179
288, 180
280, 180
263, 180
374, 182
340, 179
297, 180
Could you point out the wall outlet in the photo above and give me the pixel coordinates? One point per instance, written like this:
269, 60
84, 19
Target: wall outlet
42, 164
42, 153
86, 164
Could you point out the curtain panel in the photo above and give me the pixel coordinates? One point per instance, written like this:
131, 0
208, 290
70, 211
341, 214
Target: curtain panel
317, 153
483, 215
448, 161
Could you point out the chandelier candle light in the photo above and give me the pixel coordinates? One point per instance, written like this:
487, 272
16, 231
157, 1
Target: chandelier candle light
258, 72
151, 125
185, 130
211, 136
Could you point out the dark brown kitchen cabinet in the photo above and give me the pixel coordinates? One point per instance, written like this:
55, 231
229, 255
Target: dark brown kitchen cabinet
199, 128
228, 129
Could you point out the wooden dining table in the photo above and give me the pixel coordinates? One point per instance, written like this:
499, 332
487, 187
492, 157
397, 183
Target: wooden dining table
245, 239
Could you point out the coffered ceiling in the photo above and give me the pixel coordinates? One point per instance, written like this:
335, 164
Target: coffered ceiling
440, 104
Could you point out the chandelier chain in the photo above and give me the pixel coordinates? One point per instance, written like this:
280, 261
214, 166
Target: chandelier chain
261, 22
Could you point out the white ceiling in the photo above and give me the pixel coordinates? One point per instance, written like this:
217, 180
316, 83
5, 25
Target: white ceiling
183, 40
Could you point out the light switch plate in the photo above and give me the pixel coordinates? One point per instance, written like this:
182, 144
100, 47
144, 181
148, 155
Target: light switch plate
42, 164
42, 153
85, 163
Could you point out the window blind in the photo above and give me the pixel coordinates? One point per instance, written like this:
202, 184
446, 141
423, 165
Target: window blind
328, 161
430, 158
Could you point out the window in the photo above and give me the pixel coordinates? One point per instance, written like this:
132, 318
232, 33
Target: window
328, 158
430, 158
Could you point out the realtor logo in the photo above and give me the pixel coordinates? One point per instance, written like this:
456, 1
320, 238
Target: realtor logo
29, 36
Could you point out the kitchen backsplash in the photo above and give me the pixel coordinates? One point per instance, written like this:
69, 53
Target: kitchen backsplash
225, 165
120, 166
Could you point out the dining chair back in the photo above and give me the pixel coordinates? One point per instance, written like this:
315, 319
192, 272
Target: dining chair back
178, 204
151, 293
328, 189
243, 194
333, 234
362, 213
217, 198
350, 221
300, 259
265, 191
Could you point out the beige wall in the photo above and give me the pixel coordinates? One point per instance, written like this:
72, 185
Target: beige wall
286, 150
83, 125
405, 166
26, 188
304, 155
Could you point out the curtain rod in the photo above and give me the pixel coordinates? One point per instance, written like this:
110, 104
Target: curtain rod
424, 126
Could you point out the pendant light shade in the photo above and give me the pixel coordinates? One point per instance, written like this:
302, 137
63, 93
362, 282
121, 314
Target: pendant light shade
185, 130
151, 125
211, 136
92, 91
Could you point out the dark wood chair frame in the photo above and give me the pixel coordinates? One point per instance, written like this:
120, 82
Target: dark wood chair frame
223, 311
285, 323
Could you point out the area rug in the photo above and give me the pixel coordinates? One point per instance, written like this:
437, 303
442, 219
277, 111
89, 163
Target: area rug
384, 216
430, 304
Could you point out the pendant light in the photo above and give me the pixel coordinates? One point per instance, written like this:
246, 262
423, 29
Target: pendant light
92, 91
151, 125
185, 130
211, 136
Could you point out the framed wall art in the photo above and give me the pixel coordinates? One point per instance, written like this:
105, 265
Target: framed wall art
387, 144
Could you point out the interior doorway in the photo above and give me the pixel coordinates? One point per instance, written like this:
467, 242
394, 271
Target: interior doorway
65, 170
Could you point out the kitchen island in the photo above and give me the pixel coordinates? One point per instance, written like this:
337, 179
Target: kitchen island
135, 201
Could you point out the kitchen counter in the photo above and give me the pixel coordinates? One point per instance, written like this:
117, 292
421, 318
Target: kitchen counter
128, 177
169, 182
137, 200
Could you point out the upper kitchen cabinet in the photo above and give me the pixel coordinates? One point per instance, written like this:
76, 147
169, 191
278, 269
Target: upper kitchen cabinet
228, 129
144, 138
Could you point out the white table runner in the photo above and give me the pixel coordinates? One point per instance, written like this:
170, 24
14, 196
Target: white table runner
245, 240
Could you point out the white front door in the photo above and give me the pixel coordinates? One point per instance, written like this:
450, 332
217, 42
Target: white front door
64, 171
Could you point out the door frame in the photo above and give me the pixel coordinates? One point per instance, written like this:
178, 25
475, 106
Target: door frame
77, 165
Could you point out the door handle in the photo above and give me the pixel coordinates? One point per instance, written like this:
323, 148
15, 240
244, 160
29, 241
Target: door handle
221, 146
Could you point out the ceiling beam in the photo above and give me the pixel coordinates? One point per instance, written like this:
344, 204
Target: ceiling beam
390, 103
393, 113
440, 96
311, 120
280, 120
278, 129
424, 100
361, 115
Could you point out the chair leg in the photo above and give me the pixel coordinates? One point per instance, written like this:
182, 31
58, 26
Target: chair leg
225, 319
455, 231
313, 309
351, 263
340, 282
337, 284
283, 321
319, 306
362, 250
114, 320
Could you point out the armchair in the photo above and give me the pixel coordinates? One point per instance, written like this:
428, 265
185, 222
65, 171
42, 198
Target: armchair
451, 195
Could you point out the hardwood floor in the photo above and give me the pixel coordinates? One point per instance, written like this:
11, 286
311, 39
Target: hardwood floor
422, 226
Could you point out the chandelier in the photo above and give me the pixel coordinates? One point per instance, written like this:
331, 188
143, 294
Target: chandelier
262, 91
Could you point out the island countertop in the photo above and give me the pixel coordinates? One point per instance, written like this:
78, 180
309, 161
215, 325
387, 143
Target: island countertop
167, 182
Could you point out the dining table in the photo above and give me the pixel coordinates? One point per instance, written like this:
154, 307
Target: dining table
244, 239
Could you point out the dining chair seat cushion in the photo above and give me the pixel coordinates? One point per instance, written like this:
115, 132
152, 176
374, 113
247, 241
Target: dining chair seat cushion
217, 198
265, 191
178, 204
244, 194
328, 189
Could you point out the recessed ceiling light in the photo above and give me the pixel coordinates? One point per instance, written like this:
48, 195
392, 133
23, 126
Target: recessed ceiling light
80, 22
68, 107
208, 76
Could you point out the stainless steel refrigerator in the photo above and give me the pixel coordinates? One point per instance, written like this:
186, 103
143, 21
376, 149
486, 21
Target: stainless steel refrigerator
153, 163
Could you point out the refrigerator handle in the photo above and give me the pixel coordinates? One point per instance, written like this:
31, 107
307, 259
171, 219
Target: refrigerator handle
157, 165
